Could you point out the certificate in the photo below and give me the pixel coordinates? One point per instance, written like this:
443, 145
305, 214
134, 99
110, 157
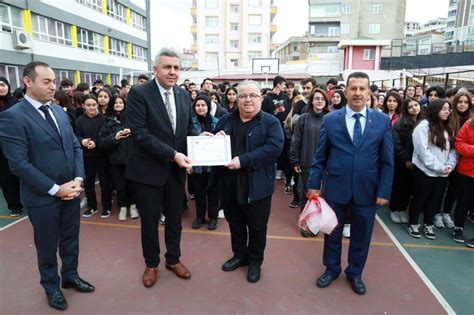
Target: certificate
209, 151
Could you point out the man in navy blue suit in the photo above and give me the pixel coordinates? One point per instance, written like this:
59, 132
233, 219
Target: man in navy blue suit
44, 153
355, 154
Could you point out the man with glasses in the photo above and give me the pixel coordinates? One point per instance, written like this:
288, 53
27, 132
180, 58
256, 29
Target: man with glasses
246, 183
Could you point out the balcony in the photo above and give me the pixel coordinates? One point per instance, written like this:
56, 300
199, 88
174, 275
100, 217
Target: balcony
193, 11
194, 29
273, 29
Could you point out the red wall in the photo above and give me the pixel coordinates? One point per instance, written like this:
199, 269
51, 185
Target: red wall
358, 62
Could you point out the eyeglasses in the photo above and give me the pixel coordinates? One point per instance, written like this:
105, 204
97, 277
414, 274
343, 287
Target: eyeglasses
251, 95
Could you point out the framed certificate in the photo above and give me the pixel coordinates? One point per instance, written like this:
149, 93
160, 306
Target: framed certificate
209, 151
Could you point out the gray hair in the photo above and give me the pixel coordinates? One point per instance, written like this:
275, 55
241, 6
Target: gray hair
248, 82
167, 52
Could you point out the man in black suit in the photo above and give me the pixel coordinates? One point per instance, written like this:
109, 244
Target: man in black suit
159, 115
44, 153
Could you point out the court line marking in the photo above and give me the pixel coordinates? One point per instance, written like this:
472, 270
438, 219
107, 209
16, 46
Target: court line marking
417, 269
13, 223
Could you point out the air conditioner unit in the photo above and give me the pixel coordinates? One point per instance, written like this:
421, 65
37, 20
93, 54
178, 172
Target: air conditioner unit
21, 39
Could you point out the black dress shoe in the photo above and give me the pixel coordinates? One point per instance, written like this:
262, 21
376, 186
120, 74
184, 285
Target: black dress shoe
234, 263
358, 286
253, 275
212, 224
198, 223
57, 300
79, 285
325, 280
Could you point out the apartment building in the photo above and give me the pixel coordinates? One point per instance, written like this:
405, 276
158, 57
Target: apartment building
83, 40
460, 23
229, 34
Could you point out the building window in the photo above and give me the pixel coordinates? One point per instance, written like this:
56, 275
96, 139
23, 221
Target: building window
234, 26
94, 4
254, 54
212, 39
376, 8
452, 2
374, 28
138, 21
116, 10
117, 47
255, 3
333, 31
450, 24
90, 40
212, 4
325, 10
346, 9
255, 38
332, 49
451, 13
369, 54
234, 44
345, 28
312, 29
212, 21
211, 57
234, 8
50, 30
12, 73
234, 62
138, 53
255, 19
10, 18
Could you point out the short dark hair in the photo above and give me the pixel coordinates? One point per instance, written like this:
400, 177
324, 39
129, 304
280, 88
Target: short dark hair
124, 82
332, 81
143, 76
290, 83
66, 82
441, 93
358, 75
30, 69
207, 79
374, 88
312, 80
98, 81
277, 80
81, 87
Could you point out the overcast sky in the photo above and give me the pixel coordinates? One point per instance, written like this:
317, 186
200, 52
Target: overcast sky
171, 20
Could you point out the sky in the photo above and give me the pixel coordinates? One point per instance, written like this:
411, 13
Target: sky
171, 20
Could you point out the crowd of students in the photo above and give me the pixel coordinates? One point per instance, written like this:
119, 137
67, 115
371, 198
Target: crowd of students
433, 135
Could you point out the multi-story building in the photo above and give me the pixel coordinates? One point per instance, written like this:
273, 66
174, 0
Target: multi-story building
410, 28
83, 40
460, 23
429, 38
228, 34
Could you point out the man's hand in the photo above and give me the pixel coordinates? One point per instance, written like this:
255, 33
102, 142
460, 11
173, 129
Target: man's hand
69, 190
221, 133
297, 169
381, 202
182, 160
234, 164
206, 133
313, 192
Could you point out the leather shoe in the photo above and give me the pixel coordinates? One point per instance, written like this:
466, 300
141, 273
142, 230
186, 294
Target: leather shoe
325, 280
212, 224
150, 276
234, 263
57, 300
253, 274
180, 270
357, 286
79, 285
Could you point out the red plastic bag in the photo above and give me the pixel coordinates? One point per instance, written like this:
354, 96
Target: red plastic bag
317, 216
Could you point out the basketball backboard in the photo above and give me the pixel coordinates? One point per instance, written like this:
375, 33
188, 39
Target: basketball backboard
265, 65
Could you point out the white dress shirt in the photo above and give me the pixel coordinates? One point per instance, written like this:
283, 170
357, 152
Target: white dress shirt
171, 98
350, 121
37, 105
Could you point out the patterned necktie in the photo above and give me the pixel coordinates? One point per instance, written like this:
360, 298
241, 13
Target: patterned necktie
169, 110
357, 135
49, 119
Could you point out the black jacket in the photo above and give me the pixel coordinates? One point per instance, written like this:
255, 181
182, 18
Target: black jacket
402, 139
305, 139
117, 150
272, 100
87, 127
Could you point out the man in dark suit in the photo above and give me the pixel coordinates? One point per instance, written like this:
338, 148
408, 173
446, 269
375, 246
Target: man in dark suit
159, 115
44, 153
356, 152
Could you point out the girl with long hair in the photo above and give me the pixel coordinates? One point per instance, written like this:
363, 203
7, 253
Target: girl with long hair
434, 159
230, 99
104, 99
392, 106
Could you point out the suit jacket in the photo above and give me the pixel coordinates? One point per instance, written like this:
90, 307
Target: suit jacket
153, 144
36, 154
363, 172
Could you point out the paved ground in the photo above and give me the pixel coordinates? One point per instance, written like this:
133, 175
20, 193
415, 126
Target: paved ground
110, 258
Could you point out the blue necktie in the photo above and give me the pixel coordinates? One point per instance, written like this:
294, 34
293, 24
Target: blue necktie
357, 129
49, 119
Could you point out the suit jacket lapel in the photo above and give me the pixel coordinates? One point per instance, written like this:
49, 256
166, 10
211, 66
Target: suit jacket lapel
179, 110
58, 115
342, 121
33, 113
161, 105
